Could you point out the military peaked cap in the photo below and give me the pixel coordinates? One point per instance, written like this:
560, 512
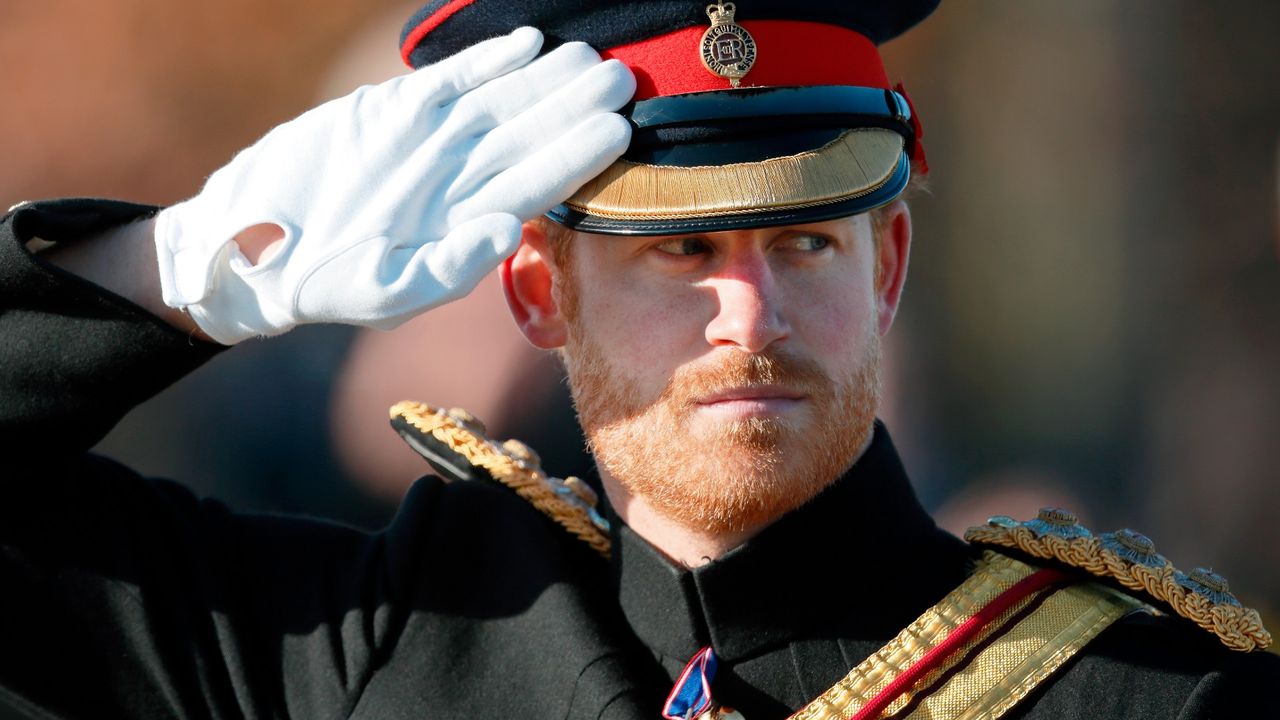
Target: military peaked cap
749, 114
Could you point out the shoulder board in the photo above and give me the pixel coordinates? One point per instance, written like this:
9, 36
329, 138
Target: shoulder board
1129, 558
454, 443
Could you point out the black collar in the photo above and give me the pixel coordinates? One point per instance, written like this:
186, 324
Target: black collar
861, 560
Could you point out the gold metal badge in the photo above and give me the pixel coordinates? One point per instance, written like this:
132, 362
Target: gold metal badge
728, 50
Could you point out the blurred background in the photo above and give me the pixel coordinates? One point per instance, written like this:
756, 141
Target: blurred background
1092, 318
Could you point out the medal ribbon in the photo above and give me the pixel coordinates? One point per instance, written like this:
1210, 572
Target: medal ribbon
691, 695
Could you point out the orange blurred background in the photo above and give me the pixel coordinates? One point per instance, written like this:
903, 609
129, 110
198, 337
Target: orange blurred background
1092, 318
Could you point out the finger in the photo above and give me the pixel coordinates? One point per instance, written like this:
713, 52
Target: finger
503, 98
478, 64
443, 271
550, 175
602, 89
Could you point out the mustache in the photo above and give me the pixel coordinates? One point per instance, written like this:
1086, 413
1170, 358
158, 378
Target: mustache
737, 369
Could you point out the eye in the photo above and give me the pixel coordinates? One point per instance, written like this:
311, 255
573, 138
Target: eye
810, 243
683, 246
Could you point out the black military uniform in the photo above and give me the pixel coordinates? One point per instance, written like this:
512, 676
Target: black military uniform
127, 597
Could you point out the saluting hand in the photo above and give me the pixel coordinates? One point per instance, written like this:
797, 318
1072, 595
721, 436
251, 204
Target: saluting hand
398, 197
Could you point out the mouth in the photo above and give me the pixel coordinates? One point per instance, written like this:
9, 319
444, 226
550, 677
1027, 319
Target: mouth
752, 401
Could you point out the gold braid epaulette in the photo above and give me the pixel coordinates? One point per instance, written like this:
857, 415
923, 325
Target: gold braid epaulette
1130, 559
569, 502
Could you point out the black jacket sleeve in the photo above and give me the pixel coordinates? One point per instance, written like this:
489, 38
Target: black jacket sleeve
75, 357
127, 597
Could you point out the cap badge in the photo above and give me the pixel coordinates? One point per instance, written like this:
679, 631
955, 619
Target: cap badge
728, 50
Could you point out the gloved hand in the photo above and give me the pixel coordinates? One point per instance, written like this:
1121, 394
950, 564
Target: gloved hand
396, 198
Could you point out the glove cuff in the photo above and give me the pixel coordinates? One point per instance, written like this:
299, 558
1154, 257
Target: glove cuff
203, 273
186, 260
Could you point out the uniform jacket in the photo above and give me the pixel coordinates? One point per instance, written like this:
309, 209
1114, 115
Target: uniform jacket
122, 596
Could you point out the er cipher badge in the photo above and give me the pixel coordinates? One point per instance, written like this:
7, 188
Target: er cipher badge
727, 49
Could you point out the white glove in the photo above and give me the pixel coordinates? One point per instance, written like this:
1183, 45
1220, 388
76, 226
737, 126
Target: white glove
399, 197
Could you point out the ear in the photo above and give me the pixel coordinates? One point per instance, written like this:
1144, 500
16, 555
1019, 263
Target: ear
893, 251
528, 279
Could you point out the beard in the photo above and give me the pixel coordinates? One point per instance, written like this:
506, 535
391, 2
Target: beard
729, 475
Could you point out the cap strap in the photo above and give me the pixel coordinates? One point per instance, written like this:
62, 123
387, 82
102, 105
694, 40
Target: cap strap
773, 102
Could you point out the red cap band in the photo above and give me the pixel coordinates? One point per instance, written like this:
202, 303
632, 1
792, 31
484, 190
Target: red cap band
431, 22
789, 53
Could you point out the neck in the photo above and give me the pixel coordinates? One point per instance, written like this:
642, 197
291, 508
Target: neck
682, 545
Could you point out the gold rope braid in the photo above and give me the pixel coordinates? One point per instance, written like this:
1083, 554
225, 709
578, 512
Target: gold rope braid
521, 475
993, 575
996, 668
1239, 628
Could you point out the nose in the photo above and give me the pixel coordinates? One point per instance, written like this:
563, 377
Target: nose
749, 315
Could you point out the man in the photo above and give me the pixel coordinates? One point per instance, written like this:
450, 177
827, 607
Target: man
721, 266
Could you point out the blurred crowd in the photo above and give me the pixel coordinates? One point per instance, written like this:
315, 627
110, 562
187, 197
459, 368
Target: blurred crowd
1092, 318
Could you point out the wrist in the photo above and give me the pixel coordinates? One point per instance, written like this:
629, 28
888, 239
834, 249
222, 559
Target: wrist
123, 260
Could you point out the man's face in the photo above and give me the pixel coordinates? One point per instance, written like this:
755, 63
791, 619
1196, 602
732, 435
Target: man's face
724, 378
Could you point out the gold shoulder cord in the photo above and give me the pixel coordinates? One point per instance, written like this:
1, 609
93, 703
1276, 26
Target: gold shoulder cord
996, 669
1130, 559
570, 502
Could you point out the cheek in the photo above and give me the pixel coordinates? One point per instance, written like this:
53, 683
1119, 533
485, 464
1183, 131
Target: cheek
644, 331
834, 318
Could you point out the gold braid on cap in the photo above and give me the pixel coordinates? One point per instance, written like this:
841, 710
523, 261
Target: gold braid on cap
1130, 559
857, 163
569, 502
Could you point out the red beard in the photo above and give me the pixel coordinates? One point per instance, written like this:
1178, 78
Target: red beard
742, 473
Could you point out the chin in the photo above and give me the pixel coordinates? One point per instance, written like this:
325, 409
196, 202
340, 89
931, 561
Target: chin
726, 487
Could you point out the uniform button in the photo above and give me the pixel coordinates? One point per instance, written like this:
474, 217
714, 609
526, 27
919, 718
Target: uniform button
1057, 517
1058, 522
1210, 579
522, 452
1135, 541
582, 490
1133, 546
467, 420
1002, 521
1209, 584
